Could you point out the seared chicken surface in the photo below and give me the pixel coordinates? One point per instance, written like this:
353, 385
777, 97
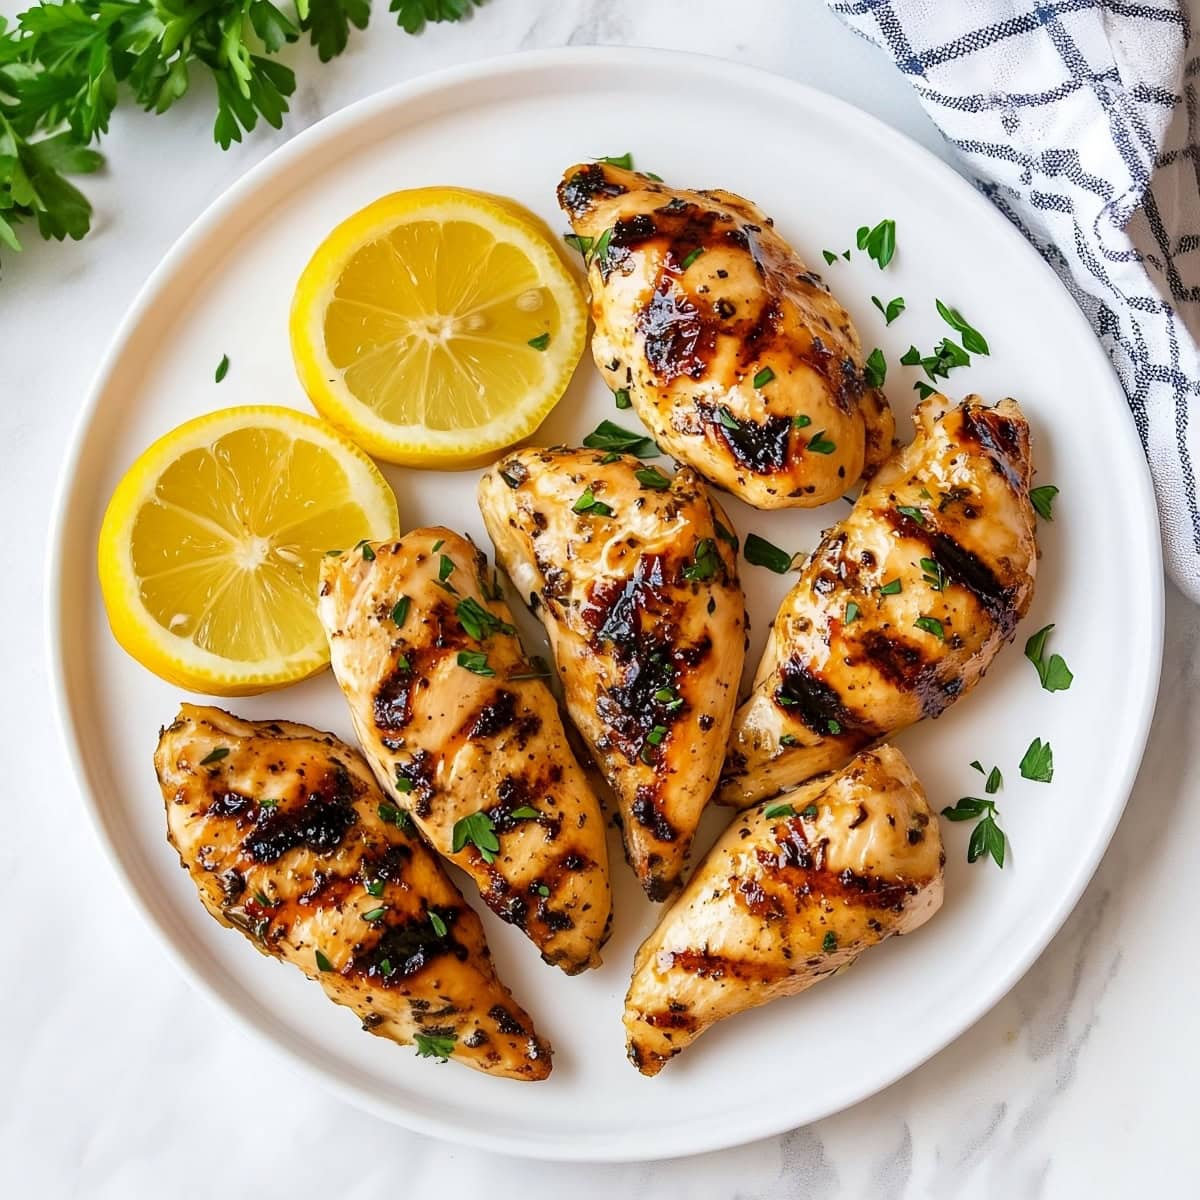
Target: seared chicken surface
902, 606
288, 839
732, 351
635, 580
466, 737
782, 901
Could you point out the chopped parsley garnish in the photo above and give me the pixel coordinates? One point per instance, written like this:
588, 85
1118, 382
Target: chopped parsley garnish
653, 478
668, 698
993, 780
434, 1045
891, 310
779, 810
987, 838
800, 421
479, 622
621, 399
656, 735
829, 943
853, 612
542, 890
587, 503
323, 964
268, 804
400, 610
833, 726
727, 418
764, 377
1042, 499
478, 830
1053, 672
972, 339
601, 246
438, 545
608, 435
367, 552
706, 562
820, 444
809, 812
396, 816
875, 371
222, 368
385, 968
375, 887
525, 813
402, 662
445, 568
618, 160
933, 574
476, 662
437, 924
931, 625
215, 756
829, 256
789, 739
691, 258
893, 587
376, 914
880, 242
403, 783
945, 357
540, 342
761, 553
913, 514
576, 242
1038, 763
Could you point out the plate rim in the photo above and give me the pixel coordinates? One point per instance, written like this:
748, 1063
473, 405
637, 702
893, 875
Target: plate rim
677, 1141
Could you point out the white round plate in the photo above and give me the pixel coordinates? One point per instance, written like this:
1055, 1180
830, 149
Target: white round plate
822, 169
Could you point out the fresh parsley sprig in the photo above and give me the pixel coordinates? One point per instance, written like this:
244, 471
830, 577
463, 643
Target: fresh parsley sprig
64, 67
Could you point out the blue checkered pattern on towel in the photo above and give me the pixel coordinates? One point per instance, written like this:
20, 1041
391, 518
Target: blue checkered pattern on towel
1080, 120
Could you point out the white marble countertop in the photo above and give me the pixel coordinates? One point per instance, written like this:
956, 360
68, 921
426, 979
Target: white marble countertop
118, 1081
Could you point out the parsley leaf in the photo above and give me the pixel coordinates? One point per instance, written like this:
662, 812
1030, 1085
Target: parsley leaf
222, 369
215, 756
875, 371
476, 662
618, 160
880, 242
761, 553
705, 563
587, 503
891, 310
479, 622
987, 838
972, 339
653, 478
820, 444
779, 810
1053, 672
541, 342
400, 610
608, 435
931, 625
478, 830
764, 377
411, 15
1042, 499
435, 1045
1038, 763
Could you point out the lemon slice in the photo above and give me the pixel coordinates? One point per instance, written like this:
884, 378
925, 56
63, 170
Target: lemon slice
437, 326
211, 547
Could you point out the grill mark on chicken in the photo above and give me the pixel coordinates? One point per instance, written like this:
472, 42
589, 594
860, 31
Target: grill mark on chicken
805, 695
759, 446
494, 717
1001, 438
965, 567
675, 334
577, 193
403, 950
647, 813
319, 824
392, 706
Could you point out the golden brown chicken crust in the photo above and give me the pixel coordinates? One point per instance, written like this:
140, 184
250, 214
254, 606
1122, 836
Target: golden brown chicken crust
902, 607
461, 727
784, 900
732, 351
289, 840
638, 590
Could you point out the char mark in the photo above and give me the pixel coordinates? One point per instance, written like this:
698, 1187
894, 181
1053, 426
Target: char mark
649, 816
319, 823
1002, 438
805, 696
965, 567
678, 341
494, 717
578, 193
393, 700
761, 447
405, 949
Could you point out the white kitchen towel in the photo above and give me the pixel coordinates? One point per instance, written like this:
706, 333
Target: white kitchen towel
1079, 120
